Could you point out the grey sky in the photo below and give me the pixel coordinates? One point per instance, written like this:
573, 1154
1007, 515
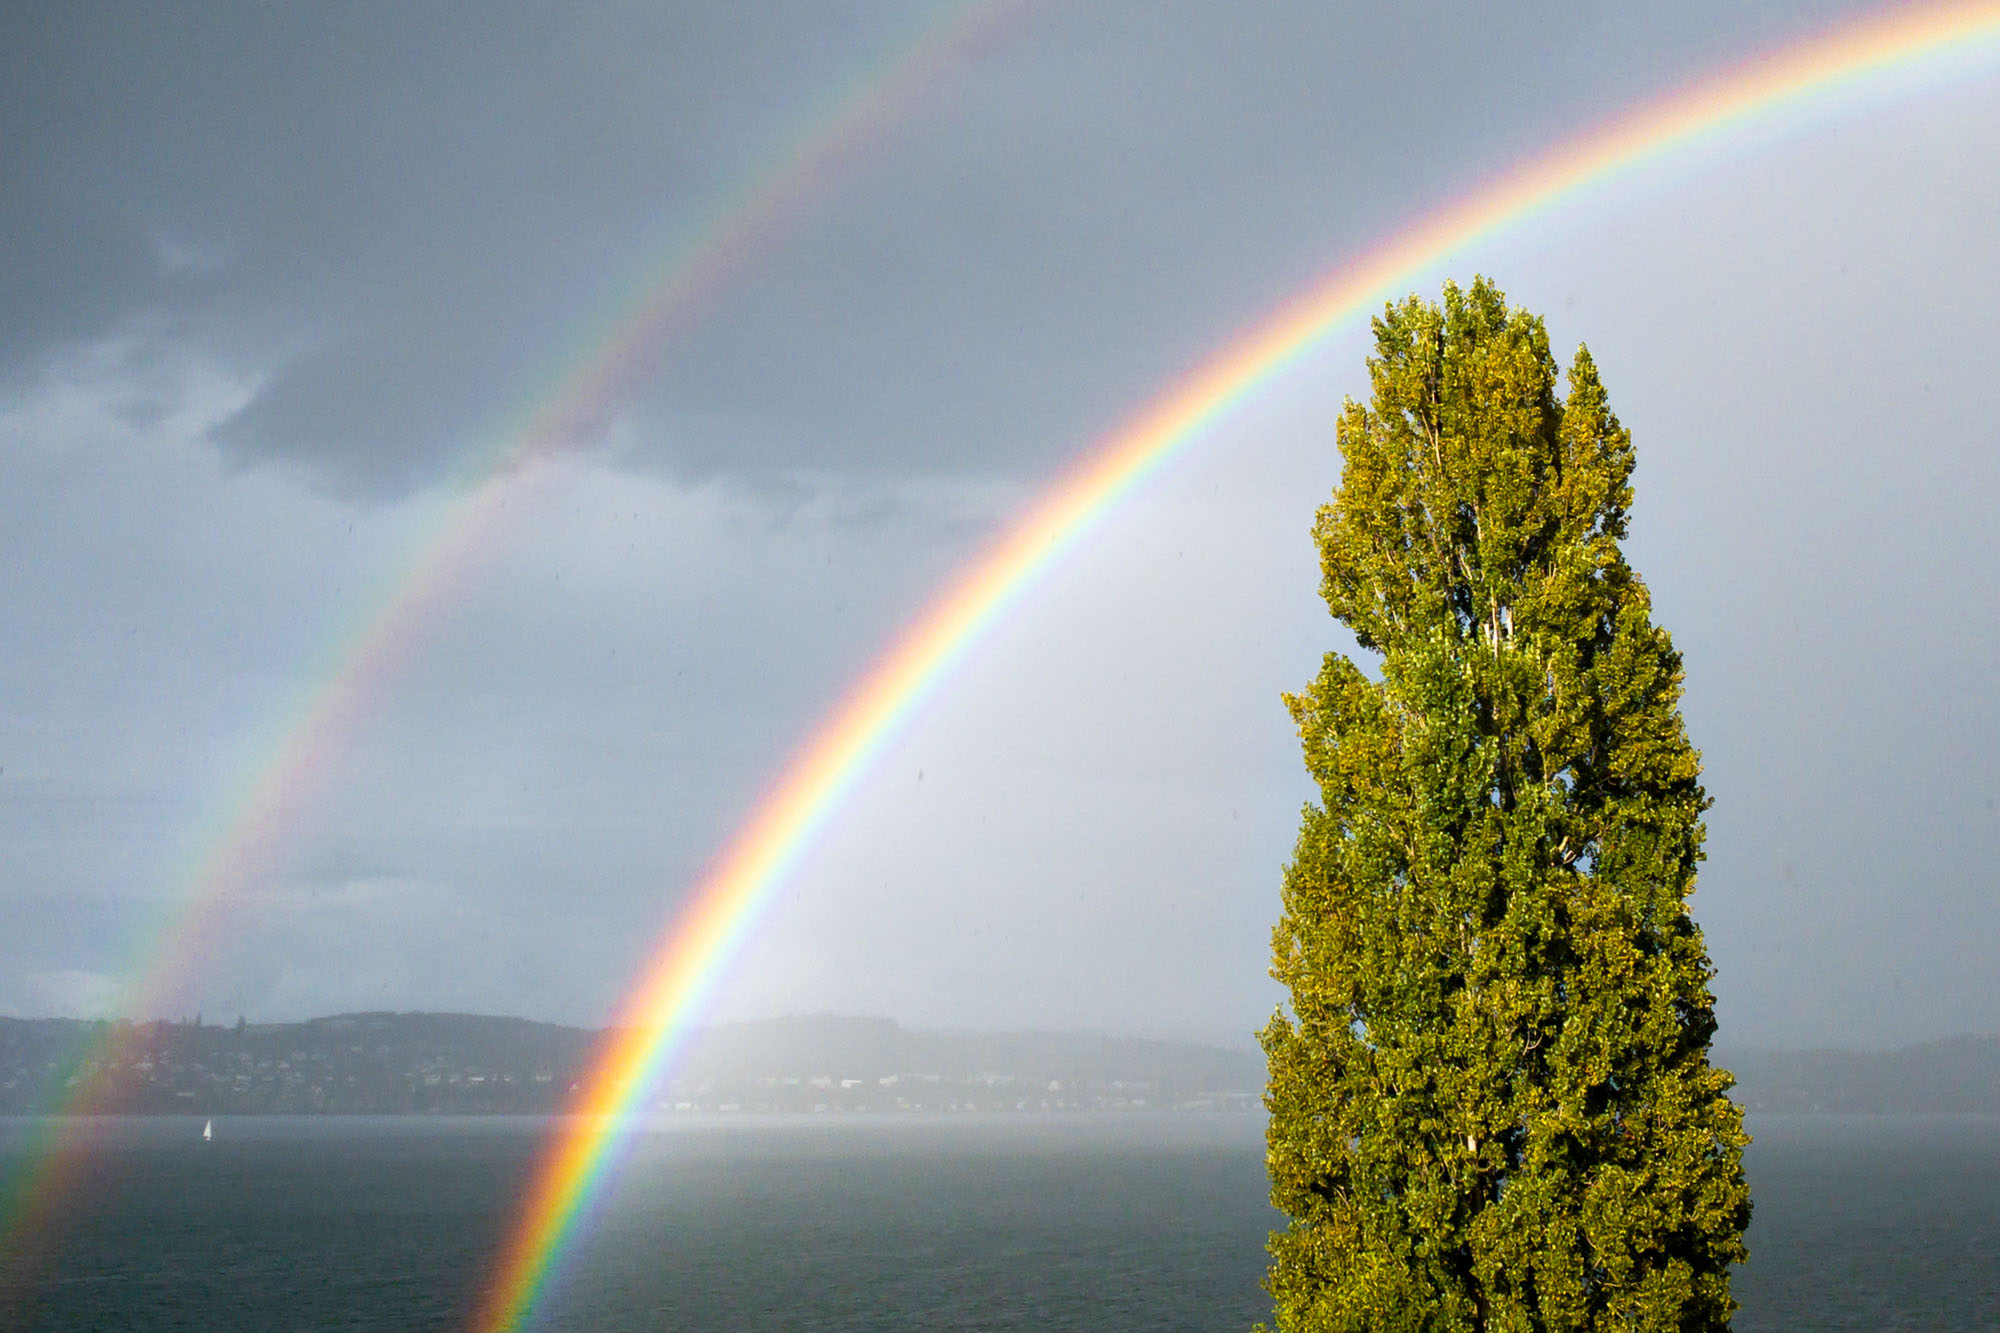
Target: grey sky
269, 276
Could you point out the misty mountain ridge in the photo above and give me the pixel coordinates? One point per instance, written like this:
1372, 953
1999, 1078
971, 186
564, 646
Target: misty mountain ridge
429, 1063
1951, 1076
397, 1063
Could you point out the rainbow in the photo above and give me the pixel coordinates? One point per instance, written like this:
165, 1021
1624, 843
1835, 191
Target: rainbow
710, 929
243, 844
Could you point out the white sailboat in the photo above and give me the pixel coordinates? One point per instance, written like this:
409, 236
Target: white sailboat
207, 1130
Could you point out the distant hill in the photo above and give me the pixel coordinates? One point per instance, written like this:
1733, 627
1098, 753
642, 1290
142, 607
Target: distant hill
377, 1063
388, 1063
1958, 1075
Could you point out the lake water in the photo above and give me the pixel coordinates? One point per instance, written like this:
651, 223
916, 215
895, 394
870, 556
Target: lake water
1108, 1223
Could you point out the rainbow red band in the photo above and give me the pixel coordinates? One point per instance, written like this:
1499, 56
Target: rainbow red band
708, 932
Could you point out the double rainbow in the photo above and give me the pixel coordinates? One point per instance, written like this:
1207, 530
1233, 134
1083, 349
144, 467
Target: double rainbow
709, 931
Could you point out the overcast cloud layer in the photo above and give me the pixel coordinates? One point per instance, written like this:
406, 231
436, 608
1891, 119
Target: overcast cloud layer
271, 280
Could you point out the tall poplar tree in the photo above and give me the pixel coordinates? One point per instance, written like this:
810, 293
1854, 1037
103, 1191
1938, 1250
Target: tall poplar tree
1491, 1104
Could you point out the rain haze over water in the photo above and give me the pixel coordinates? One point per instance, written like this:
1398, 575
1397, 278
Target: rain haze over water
976, 1222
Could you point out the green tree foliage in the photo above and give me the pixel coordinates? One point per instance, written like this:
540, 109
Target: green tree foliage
1491, 1102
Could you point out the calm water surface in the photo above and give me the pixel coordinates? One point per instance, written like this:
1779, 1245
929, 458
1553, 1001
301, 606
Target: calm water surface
1106, 1223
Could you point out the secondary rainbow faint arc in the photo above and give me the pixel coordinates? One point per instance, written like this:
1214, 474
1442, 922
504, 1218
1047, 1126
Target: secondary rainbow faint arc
259, 814
707, 933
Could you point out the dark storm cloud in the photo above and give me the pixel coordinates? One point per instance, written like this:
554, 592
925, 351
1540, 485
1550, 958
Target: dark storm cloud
408, 216
416, 209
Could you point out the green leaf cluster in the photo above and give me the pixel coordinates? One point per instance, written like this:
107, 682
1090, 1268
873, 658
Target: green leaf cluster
1491, 1104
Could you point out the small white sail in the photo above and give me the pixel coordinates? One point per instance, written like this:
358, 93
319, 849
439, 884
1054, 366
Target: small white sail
207, 1130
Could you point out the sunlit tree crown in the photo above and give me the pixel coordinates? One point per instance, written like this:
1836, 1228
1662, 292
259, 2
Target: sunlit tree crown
1491, 1101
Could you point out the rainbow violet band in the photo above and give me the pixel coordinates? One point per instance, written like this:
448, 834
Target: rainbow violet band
709, 930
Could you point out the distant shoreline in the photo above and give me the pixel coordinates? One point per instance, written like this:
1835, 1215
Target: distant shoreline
429, 1064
